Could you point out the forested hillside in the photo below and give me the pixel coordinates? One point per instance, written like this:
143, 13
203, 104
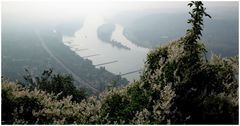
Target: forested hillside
150, 29
48, 51
178, 85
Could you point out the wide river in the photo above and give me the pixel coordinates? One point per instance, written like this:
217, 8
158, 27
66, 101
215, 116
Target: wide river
86, 43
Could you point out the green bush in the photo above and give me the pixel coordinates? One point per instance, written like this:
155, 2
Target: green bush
55, 83
179, 85
23, 106
17, 107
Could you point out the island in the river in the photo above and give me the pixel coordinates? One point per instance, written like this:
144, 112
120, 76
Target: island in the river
104, 33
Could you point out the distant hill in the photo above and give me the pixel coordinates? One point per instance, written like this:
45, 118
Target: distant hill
152, 29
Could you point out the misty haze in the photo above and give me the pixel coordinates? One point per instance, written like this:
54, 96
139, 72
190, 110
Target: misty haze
102, 47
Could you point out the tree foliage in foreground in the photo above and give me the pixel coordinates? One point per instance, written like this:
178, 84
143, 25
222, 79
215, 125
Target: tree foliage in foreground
178, 86
61, 84
24, 106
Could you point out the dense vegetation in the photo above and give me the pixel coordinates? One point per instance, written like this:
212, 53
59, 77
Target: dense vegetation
58, 84
104, 33
179, 85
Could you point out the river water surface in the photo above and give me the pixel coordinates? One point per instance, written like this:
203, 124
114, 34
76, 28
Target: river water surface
86, 43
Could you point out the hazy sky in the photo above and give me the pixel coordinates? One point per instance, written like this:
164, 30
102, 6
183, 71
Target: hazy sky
42, 9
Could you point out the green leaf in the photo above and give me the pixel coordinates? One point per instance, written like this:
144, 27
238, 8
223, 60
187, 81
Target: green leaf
190, 4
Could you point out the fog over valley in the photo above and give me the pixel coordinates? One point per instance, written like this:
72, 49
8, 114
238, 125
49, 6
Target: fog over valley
103, 42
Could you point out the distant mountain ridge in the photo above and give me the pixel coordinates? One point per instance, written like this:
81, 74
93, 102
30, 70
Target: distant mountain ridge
153, 29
